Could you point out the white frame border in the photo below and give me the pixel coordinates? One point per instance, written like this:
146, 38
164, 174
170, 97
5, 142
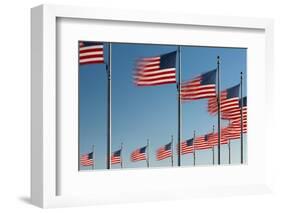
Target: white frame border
43, 88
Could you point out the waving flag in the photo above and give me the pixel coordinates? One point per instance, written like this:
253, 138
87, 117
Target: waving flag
187, 146
139, 154
212, 138
235, 127
229, 133
203, 86
87, 159
91, 52
164, 152
233, 131
116, 157
201, 142
235, 114
157, 70
229, 100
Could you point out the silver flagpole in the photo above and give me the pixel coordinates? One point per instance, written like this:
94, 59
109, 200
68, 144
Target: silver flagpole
179, 105
93, 166
194, 157
121, 156
219, 109
172, 149
109, 108
241, 116
213, 149
147, 153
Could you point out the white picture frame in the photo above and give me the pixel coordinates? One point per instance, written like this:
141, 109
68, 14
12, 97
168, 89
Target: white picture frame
45, 172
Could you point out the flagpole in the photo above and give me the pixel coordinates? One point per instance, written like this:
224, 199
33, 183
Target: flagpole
172, 149
193, 148
213, 149
121, 155
219, 113
147, 153
241, 115
93, 166
179, 105
109, 108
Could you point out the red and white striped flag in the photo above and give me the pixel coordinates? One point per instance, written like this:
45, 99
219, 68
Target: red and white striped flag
203, 86
213, 138
157, 70
187, 146
236, 126
139, 154
235, 114
116, 157
164, 152
229, 100
201, 142
229, 134
91, 52
233, 130
87, 159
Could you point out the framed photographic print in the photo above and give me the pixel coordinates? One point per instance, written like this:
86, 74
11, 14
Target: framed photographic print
134, 101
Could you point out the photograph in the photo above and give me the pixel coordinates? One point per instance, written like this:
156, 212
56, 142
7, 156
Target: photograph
155, 105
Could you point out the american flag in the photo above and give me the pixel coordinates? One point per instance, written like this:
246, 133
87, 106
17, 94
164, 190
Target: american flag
187, 146
157, 70
235, 114
201, 142
164, 152
232, 132
229, 100
203, 86
139, 154
235, 127
229, 133
116, 157
213, 138
91, 52
87, 159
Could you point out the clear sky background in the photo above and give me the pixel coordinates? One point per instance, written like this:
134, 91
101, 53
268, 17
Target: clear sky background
141, 113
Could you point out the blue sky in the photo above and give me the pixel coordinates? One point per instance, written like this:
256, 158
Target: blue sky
141, 113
